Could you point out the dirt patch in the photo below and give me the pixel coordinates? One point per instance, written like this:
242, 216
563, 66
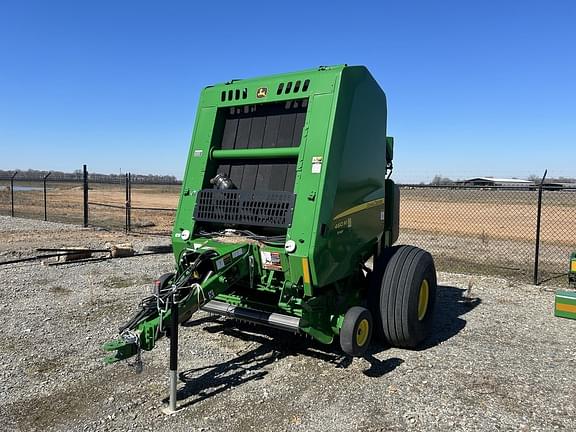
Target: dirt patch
59, 290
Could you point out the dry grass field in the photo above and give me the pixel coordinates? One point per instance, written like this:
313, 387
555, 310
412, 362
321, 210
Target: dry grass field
490, 214
479, 226
488, 230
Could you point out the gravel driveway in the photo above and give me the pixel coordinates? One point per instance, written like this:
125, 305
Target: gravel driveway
497, 361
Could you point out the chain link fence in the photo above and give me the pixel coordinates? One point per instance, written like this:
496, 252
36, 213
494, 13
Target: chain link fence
130, 203
558, 233
491, 229
39, 199
466, 228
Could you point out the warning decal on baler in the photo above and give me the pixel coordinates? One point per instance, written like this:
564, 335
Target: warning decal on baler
222, 262
237, 253
316, 164
270, 260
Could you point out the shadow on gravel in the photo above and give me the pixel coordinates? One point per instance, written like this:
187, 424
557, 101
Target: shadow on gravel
268, 345
205, 382
451, 304
379, 368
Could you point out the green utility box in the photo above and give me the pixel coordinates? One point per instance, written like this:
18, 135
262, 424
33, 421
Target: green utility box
565, 304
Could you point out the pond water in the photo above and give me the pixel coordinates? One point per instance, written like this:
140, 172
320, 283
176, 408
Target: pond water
22, 188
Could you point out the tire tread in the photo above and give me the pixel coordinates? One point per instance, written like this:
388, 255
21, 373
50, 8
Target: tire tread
400, 278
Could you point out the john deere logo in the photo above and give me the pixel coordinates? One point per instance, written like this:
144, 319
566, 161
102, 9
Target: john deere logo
262, 92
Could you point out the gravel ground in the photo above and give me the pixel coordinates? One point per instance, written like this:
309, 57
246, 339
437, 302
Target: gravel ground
498, 362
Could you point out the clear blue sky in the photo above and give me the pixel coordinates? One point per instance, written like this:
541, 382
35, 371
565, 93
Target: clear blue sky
474, 87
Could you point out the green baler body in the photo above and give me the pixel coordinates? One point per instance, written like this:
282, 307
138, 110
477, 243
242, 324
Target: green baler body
320, 134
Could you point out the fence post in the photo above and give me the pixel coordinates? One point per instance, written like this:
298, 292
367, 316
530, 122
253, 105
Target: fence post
126, 202
12, 193
85, 182
129, 202
45, 205
538, 222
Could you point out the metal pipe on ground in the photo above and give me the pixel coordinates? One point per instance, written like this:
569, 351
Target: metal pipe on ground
105, 258
70, 250
36, 257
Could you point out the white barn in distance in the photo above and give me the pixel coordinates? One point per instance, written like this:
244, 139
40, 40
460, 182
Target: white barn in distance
492, 181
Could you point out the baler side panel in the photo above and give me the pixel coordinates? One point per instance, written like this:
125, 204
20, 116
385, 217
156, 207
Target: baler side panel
198, 159
309, 186
353, 194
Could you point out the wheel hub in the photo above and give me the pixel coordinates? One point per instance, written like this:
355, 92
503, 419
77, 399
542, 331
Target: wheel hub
423, 297
362, 332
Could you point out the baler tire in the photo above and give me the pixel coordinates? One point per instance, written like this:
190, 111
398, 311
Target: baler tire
407, 297
356, 331
379, 263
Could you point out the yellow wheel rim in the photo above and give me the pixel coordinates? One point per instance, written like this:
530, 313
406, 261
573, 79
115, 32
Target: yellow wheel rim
423, 299
362, 332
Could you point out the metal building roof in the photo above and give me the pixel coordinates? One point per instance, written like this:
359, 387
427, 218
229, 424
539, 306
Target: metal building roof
497, 180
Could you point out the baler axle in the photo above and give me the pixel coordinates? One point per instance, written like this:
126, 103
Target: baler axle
276, 320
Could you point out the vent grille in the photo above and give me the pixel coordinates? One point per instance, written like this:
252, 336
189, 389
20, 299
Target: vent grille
241, 207
232, 94
293, 87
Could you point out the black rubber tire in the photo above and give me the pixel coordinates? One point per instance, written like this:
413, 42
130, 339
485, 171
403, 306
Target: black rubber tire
350, 329
395, 291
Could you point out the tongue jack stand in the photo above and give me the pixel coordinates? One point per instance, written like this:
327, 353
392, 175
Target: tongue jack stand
172, 405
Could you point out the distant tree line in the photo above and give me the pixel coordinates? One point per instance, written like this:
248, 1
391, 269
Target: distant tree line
76, 176
438, 180
537, 179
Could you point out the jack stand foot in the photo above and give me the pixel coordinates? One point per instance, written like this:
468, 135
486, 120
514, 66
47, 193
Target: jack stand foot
169, 411
173, 398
